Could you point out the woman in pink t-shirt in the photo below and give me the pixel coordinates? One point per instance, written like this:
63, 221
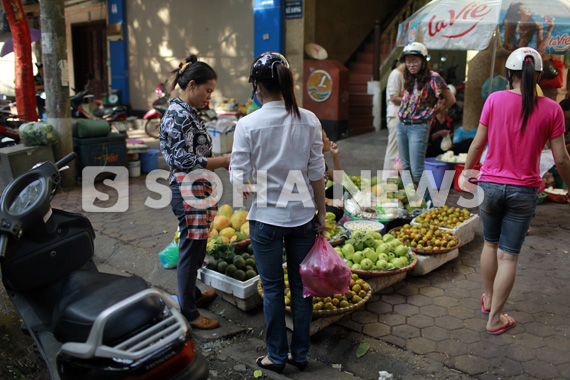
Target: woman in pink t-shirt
516, 124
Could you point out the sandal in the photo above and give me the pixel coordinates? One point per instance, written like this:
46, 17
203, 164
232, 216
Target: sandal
204, 323
510, 324
272, 367
483, 310
300, 365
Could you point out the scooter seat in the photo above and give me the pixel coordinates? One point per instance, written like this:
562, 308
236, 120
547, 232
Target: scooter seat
84, 295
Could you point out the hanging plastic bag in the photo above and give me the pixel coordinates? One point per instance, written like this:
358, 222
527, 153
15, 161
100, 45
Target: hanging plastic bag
169, 255
323, 271
446, 143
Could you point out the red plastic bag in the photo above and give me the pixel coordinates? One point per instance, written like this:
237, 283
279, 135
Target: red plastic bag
323, 271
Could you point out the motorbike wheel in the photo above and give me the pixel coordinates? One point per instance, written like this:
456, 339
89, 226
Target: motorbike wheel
152, 127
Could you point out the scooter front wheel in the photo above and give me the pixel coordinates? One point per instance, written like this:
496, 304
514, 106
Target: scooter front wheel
152, 126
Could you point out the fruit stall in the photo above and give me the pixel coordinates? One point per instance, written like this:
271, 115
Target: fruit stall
381, 242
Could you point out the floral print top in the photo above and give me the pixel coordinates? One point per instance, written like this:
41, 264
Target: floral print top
420, 104
184, 140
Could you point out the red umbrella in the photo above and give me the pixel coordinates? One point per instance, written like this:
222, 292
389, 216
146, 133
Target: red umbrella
8, 47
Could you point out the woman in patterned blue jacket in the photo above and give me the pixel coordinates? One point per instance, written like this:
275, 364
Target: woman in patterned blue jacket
187, 149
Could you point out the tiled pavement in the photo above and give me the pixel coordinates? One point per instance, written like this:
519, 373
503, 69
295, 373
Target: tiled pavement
436, 316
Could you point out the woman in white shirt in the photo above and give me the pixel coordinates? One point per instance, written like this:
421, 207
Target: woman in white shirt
280, 148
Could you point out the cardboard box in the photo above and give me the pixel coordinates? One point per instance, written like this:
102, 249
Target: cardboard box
18, 159
240, 289
222, 133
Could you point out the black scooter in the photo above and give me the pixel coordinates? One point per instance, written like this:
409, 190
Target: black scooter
86, 324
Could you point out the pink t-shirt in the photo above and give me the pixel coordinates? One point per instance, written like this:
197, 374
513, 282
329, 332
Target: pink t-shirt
513, 157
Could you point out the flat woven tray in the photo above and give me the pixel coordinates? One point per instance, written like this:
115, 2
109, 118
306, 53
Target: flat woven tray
432, 251
327, 313
386, 272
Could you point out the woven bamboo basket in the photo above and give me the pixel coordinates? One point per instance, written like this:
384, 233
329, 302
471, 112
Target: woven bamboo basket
326, 313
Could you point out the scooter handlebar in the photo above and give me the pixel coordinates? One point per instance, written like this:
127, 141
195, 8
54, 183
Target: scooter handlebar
66, 160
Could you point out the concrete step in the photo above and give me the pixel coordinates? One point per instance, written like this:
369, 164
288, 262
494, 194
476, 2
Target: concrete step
360, 67
365, 57
359, 110
359, 78
360, 99
357, 88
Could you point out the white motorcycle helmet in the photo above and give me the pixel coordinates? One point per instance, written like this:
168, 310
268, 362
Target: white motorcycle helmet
516, 59
415, 48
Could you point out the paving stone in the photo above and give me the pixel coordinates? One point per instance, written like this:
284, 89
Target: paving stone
471, 364
466, 336
559, 343
456, 292
430, 291
529, 307
484, 350
406, 310
363, 317
433, 310
441, 283
408, 291
475, 324
393, 299
469, 285
540, 369
446, 301
452, 347
449, 323
350, 324
392, 319
376, 329
379, 307
420, 345
418, 282
461, 312
395, 340
406, 331
519, 353
435, 333
463, 269
420, 321
419, 300
552, 356
441, 357
505, 367
556, 308
529, 340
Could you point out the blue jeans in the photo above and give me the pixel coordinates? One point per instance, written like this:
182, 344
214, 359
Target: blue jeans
268, 242
412, 145
506, 213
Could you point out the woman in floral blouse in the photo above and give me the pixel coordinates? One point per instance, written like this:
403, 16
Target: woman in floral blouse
422, 88
187, 149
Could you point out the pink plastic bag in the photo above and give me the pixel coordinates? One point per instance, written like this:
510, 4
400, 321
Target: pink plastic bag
323, 272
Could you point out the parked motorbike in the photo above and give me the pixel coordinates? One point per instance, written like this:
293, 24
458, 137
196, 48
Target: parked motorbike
9, 124
86, 324
159, 107
115, 115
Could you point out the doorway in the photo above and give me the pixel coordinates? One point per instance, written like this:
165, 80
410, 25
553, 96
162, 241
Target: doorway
89, 43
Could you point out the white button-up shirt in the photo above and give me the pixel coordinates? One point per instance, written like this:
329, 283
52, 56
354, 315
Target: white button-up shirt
281, 154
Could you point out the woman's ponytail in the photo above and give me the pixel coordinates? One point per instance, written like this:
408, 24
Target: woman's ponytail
285, 78
528, 89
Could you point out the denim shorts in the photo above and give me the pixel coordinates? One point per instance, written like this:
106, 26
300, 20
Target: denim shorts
506, 213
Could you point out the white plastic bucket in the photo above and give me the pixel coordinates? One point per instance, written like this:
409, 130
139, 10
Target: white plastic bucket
134, 168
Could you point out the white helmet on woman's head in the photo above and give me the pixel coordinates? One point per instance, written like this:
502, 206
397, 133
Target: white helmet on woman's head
415, 48
516, 59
